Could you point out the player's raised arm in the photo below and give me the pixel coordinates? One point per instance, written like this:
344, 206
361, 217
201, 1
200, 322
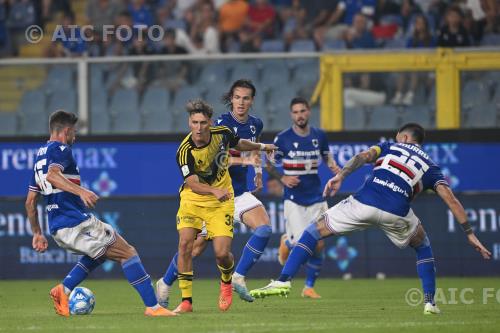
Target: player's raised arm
57, 179
356, 162
39, 242
247, 145
458, 211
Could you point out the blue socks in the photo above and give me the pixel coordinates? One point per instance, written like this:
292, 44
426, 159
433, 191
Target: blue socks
171, 273
253, 249
426, 270
140, 280
302, 251
313, 268
80, 272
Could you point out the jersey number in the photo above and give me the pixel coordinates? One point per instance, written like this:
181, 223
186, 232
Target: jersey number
409, 167
41, 178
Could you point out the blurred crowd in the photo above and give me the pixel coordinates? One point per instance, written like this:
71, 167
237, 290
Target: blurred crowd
213, 26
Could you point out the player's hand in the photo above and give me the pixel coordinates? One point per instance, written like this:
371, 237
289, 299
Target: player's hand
39, 243
270, 149
89, 198
257, 180
221, 194
333, 185
253, 160
290, 181
478, 246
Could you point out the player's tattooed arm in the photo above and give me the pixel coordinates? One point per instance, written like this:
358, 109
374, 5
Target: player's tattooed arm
356, 162
39, 241
57, 179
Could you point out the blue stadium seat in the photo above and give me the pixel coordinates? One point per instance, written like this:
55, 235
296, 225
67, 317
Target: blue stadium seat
382, 118
214, 97
473, 94
491, 40
482, 116
306, 75
396, 43
96, 73
155, 108
62, 99
124, 111
274, 75
34, 120
59, 77
304, 45
213, 73
8, 123
182, 96
273, 45
354, 118
417, 114
245, 70
100, 122
333, 45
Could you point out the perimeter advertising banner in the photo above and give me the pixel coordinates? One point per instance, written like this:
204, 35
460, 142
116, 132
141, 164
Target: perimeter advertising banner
150, 169
149, 224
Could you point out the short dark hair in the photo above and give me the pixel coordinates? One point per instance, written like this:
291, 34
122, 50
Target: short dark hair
199, 106
299, 100
416, 131
241, 83
60, 119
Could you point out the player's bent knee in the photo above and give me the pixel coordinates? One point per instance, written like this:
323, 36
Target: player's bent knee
320, 247
419, 238
263, 231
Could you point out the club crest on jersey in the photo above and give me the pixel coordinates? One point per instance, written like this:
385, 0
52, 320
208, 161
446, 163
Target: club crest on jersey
235, 130
253, 129
296, 145
315, 143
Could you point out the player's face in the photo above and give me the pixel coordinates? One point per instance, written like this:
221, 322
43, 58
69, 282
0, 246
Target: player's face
241, 100
300, 115
200, 126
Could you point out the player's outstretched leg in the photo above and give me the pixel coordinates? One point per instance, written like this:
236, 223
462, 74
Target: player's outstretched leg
313, 268
164, 284
301, 252
284, 249
251, 254
80, 271
426, 269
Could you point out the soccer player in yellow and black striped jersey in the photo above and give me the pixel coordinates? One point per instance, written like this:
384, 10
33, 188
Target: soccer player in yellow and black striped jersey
207, 196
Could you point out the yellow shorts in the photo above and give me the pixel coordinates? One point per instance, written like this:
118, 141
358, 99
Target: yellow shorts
218, 220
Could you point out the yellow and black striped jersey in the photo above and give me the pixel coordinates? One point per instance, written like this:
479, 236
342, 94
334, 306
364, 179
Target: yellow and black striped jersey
209, 163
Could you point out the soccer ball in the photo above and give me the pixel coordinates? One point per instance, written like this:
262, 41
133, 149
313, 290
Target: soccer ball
81, 301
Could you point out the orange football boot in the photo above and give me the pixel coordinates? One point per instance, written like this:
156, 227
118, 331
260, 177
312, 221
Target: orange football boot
310, 293
159, 312
60, 300
184, 307
225, 296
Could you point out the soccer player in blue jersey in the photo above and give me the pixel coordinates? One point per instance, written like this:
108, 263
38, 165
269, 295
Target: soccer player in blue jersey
302, 148
248, 209
402, 170
72, 226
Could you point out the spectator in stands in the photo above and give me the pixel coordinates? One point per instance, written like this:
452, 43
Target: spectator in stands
4, 39
232, 17
274, 187
69, 41
21, 15
358, 36
293, 20
453, 32
365, 89
407, 13
342, 18
123, 25
204, 30
481, 16
50, 7
172, 74
102, 12
422, 38
261, 19
140, 13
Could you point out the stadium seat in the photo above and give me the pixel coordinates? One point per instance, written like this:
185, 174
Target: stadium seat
59, 77
354, 118
315, 119
124, 111
96, 73
274, 75
8, 123
491, 40
306, 75
273, 45
245, 70
417, 114
333, 45
382, 118
62, 99
213, 73
482, 116
214, 97
278, 116
396, 43
182, 96
155, 109
100, 122
34, 120
473, 93
304, 45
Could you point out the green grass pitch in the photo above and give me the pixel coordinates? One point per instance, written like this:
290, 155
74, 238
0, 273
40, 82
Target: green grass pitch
358, 305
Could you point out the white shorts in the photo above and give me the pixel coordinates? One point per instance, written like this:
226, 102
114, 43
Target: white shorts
298, 218
243, 203
91, 237
351, 215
